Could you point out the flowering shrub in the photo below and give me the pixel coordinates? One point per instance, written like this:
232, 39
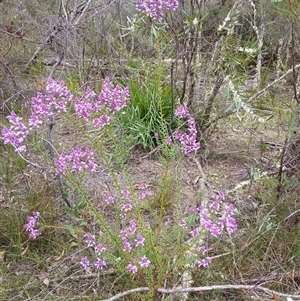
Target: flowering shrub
138, 241
135, 244
132, 239
55, 101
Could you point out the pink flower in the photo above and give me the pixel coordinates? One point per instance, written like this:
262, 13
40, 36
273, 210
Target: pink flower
31, 225
16, 133
133, 226
144, 263
126, 246
202, 250
33, 234
204, 262
195, 232
99, 248
215, 206
85, 262
90, 240
109, 199
132, 268
126, 194
126, 207
123, 234
140, 240
100, 264
182, 111
182, 224
144, 192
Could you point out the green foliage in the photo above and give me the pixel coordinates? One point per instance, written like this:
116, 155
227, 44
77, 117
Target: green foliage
12, 235
14, 238
274, 226
73, 81
142, 118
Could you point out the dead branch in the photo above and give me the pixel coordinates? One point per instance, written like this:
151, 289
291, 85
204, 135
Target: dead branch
62, 24
123, 294
273, 83
207, 288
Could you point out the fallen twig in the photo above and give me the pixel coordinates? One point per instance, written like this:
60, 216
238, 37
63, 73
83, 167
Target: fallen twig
261, 92
207, 288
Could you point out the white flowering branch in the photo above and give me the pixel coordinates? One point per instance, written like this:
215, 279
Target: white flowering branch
260, 34
208, 288
226, 25
240, 103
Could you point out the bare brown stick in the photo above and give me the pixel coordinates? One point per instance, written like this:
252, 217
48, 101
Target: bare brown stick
61, 25
273, 83
206, 288
210, 102
123, 294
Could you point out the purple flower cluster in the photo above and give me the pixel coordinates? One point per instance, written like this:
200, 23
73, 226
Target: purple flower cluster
56, 99
144, 263
59, 90
126, 206
131, 238
16, 133
214, 220
86, 105
98, 249
182, 112
109, 199
111, 99
187, 140
204, 262
31, 225
126, 194
43, 105
79, 160
156, 8
144, 191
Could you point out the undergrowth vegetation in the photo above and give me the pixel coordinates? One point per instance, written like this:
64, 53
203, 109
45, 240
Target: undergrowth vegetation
142, 118
167, 171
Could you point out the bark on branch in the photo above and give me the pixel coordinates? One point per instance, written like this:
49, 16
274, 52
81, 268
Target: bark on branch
207, 288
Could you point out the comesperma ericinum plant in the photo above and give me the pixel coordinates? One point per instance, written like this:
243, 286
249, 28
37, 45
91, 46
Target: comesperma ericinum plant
134, 244
137, 241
